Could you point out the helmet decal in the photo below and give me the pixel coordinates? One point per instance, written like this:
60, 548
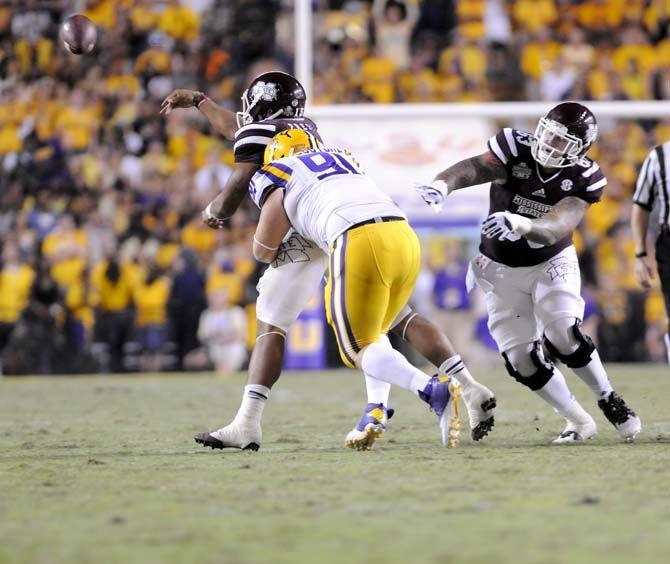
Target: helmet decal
266, 91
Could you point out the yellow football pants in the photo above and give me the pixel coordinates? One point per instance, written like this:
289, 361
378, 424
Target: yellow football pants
371, 275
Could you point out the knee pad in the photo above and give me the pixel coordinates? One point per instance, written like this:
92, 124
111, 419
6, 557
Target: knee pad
579, 358
537, 380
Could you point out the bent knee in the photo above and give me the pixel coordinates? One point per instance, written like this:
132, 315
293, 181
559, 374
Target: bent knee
561, 334
519, 357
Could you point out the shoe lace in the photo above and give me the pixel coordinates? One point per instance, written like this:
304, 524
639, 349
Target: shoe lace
454, 419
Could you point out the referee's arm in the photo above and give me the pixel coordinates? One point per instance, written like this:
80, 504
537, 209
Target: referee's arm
643, 201
639, 224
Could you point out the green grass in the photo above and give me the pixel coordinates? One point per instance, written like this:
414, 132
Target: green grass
105, 470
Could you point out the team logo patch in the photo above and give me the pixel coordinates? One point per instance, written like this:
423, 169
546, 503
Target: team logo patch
264, 91
522, 171
566, 185
567, 270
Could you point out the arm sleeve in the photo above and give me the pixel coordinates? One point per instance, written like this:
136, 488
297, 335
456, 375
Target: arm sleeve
646, 182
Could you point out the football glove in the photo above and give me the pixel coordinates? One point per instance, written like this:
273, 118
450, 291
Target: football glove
506, 226
434, 194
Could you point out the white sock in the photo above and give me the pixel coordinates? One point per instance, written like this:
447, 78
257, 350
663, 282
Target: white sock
594, 376
454, 366
666, 339
557, 394
378, 391
382, 362
253, 403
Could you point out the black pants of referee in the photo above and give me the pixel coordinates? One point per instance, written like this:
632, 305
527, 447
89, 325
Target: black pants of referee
663, 261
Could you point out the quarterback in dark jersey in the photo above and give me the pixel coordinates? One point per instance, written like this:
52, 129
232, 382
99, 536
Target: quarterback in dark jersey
541, 186
274, 102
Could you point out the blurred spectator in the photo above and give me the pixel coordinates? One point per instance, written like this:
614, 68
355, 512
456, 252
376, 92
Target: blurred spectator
16, 280
37, 344
394, 21
150, 295
112, 296
185, 304
223, 333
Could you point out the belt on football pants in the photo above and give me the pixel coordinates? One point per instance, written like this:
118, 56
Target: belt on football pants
378, 219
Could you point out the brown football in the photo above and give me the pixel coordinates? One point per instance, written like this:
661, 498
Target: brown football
79, 34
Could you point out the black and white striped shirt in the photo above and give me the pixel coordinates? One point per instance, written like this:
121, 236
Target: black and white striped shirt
653, 182
251, 140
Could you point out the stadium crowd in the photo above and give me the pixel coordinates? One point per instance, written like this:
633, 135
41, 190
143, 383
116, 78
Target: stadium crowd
105, 262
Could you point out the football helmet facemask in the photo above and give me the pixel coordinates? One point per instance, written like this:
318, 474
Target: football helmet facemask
271, 95
564, 135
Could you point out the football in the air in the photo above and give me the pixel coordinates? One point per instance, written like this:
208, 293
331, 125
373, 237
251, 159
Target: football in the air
79, 34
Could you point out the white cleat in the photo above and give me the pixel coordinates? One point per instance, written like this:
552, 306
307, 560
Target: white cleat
480, 403
575, 433
235, 435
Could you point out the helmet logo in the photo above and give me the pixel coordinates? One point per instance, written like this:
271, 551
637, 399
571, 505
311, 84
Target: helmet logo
566, 185
266, 91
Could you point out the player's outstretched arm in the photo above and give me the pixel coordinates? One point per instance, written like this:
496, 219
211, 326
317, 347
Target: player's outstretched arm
558, 223
469, 172
273, 226
473, 171
225, 204
223, 121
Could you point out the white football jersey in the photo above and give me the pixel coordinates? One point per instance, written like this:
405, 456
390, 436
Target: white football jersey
325, 193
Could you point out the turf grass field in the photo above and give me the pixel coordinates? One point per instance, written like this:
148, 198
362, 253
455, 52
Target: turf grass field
104, 469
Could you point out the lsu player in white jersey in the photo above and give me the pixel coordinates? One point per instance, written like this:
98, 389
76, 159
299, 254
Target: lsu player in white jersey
374, 257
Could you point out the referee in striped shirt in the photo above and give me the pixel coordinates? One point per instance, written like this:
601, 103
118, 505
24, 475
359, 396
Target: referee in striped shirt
653, 189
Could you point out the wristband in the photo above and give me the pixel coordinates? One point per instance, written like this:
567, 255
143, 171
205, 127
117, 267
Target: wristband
199, 98
641, 255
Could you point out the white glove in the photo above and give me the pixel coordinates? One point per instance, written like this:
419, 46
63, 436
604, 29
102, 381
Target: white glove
434, 194
506, 226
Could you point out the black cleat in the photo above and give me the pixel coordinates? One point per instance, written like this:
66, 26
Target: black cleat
206, 440
624, 419
483, 429
489, 404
